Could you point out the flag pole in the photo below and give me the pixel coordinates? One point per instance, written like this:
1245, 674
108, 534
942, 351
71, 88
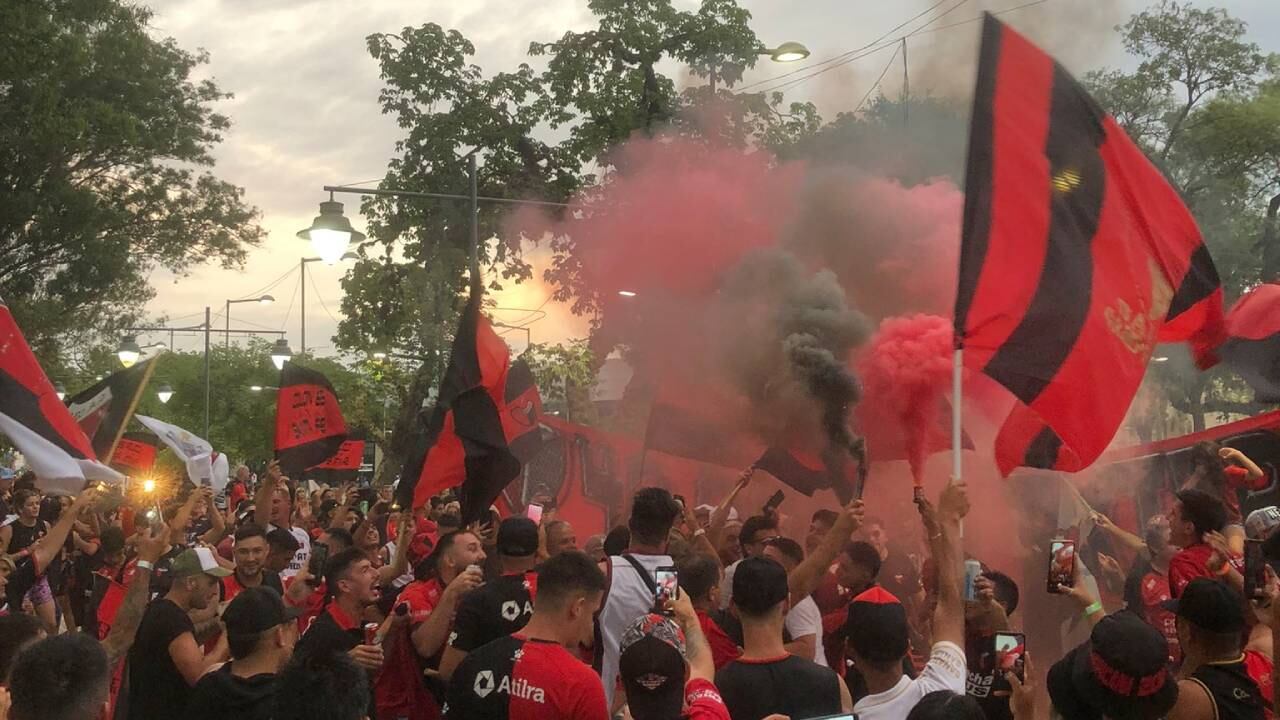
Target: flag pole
957, 440
133, 405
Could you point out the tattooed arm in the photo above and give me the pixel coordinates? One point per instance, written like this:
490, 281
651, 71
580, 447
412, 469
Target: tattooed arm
697, 650
151, 546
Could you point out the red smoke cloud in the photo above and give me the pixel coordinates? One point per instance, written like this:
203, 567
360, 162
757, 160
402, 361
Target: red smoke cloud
905, 371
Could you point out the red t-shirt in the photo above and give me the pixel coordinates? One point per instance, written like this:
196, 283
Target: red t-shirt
1154, 590
829, 596
1259, 668
1237, 478
723, 649
422, 597
312, 606
1187, 565
703, 701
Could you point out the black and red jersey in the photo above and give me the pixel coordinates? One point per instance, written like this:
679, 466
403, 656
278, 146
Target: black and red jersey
498, 608
518, 678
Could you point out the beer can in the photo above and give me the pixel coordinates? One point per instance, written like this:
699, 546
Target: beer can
371, 633
917, 494
972, 569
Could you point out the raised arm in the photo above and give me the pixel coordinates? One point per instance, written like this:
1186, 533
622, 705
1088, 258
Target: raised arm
1234, 455
430, 636
44, 551
262, 498
697, 650
400, 561
218, 525
943, 528
124, 628
1120, 535
340, 514
698, 535
808, 575
720, 515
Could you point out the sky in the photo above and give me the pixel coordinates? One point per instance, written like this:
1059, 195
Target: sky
305, 113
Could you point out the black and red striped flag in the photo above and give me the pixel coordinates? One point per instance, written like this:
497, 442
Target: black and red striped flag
309, 424
1077, 258
105, 408
1252, 348
37, 423
344, 464
484, 425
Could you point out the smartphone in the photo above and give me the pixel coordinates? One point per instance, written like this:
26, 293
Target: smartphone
534, 512
666, 583
1255, 570
1062, 564
1010, 654
319, 558
841, 716
774, 502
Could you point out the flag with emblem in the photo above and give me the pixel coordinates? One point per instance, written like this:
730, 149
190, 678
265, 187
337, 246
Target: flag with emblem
344, 464
1077, 257
104, 408
309, 423
484, 425
37, 423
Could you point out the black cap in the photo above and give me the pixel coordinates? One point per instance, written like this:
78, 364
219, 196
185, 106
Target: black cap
256, 610
1121, 672
518, 537
1209, 605
651, 665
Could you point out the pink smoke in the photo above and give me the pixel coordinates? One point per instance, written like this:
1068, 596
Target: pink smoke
905, 370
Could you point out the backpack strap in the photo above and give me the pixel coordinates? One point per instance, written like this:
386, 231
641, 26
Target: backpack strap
647, 578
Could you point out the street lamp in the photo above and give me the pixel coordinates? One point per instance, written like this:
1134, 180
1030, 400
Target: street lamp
129, 352
379, 355
280, 353
264, 300
302, 278
331, 232
59, 390
164, 393
627, 293
787, 52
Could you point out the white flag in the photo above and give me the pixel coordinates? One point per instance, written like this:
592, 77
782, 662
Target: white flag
57, 472
202, 462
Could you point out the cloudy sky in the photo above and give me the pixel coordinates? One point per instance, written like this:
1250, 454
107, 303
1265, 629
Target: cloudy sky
305, 110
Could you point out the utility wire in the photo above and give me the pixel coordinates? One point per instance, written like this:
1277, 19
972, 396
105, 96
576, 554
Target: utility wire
320, 297
872, 89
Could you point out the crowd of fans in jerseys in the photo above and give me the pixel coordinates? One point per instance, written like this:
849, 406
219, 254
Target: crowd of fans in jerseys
270, 602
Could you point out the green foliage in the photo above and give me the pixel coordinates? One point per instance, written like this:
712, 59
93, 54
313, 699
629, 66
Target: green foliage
106, 138
566, 375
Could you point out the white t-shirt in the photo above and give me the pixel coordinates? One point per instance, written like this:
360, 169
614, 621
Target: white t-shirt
946, 670
300, 557
629, 598
805, 619
726, 585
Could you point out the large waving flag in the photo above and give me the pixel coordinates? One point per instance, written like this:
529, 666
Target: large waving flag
36, 421
103, 410
1253, 346
205, 467
1077, 258
309, 423
484, 426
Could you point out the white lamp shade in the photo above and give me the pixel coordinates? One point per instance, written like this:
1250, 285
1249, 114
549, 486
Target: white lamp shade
128, 357
164, 393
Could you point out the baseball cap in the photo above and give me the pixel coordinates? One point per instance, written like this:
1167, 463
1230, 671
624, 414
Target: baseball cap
194, 561
255, 610
518, 537
1121, 672
651, 663
1262, 522
1210, 605
876, 625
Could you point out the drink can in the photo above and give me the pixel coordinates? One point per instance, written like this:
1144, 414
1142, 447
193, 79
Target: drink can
917, 494
371, 633
972, 569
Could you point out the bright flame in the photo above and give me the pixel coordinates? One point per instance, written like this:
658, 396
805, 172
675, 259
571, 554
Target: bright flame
148, 485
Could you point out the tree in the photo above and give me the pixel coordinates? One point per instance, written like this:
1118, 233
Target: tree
599, 87
565, 375
106, 138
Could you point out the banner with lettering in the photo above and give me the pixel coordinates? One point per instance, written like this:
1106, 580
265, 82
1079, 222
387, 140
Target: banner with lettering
309, 424
135, 453
343, 465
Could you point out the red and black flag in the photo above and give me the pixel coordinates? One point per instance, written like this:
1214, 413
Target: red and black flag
343, 465
36, 421
1077, 258
104, 409
309, 424
1252, 348
483, 427
135, 453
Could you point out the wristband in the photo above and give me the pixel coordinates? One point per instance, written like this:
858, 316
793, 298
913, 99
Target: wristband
1226, 569
699, 532
146, 565
1093, 609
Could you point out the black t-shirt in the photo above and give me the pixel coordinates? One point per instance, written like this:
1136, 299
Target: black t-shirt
25, 536
333, 632
499, 608
220, 695
156, 687
1235, 695
984, 681
792, 686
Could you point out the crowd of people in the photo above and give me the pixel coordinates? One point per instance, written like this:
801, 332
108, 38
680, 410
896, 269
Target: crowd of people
272, 602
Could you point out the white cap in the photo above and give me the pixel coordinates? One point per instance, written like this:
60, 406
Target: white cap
1262, 522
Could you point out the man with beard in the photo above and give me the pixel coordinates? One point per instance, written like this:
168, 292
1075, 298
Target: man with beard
897, 573
250, 554
273, 508
165, 660
351, 581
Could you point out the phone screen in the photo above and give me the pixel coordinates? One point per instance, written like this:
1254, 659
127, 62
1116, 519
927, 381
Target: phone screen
667, 585
1011, 653
1255, 570
775, 501
1062, 564
534, 512
319, 557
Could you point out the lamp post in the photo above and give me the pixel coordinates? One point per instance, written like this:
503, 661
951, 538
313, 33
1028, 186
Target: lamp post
129, 348
280, 353
264, 300
787, 52
302, 277
165, 392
